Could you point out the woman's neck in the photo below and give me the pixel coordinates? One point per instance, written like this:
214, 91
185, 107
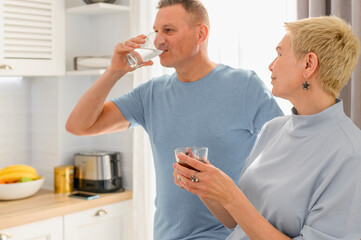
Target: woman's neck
313, 105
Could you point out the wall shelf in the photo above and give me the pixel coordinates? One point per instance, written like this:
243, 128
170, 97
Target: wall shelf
85, 72
97, 9
89, 72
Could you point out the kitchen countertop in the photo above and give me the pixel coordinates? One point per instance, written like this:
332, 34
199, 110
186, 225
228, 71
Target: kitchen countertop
46, 204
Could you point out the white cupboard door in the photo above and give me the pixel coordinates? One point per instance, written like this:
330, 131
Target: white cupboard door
50, 229
32, 37
111, 221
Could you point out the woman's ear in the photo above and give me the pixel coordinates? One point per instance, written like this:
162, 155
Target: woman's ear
310, 64
203, 33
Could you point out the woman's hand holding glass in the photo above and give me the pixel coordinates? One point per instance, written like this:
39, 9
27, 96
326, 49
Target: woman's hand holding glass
212, 182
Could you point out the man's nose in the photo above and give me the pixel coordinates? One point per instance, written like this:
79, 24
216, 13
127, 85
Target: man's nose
270, 67
160, 42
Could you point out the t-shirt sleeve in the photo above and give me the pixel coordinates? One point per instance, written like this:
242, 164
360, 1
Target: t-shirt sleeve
260, 105
131, 105
336, 213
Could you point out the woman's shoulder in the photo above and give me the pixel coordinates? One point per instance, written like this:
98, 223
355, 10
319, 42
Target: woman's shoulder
272, 128
352, 136
276, 124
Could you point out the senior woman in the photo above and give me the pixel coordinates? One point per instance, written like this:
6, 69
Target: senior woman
302, 179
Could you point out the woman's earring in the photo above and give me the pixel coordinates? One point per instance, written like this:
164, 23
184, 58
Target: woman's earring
306, 85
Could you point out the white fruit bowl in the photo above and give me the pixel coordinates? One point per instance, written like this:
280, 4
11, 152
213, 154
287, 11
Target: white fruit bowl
11, 191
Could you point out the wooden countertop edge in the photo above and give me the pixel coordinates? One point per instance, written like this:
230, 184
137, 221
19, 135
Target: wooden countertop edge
45, 204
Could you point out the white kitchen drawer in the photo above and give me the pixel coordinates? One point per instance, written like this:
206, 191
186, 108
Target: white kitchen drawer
50, 229
111, 221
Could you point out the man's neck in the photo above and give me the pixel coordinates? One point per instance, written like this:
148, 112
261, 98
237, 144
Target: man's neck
195, 70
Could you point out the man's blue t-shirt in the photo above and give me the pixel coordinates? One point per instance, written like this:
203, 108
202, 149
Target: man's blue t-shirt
223, 111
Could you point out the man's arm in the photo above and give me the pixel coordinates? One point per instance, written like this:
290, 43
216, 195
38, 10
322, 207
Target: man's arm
91, 116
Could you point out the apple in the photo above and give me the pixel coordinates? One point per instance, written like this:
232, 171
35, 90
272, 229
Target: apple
25, 179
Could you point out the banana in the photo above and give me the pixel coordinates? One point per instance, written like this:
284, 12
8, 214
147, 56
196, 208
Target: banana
13, 176
18, 168
15, 172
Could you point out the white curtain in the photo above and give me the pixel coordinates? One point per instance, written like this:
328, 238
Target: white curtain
143, 16
143, 167
350, 11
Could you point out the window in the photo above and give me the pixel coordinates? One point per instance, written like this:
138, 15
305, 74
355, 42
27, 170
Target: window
244, 34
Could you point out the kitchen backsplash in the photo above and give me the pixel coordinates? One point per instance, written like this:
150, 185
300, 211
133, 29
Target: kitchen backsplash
15, 116
32, 124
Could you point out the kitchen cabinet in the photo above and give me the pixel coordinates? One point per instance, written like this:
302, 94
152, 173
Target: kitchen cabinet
50, 229
32, 38
49, 216
93, 31
107, 222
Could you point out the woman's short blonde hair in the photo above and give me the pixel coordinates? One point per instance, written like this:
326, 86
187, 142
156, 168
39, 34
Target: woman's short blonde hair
336, 47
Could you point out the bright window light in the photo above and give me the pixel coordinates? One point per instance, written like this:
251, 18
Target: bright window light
244, 34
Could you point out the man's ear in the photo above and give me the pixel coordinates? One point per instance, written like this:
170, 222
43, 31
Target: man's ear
310, 64
202, 33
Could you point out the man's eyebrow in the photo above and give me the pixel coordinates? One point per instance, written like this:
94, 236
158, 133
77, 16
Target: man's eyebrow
278, 48
164, 26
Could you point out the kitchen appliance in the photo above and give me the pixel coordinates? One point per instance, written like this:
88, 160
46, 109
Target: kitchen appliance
97, 172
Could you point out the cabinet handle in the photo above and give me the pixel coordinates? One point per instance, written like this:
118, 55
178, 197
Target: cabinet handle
5, 236
99, 213
5, 67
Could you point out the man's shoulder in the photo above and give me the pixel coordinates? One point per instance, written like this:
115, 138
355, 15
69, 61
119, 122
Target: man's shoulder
163, 78
236, 72
156, 82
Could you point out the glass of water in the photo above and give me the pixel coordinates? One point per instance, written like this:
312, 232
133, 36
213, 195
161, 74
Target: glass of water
145, 53
199, 153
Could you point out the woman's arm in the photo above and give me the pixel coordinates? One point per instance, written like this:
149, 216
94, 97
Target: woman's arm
221, 194
250, 220
216, 208
220, 213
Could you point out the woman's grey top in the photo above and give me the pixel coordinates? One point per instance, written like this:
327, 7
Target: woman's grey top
304, 176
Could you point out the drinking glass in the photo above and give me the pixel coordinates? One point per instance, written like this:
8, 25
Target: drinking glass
146, 52
199, 153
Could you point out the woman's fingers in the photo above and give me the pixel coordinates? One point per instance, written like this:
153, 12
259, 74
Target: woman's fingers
178, 179
200, 166
186, 172
211, 182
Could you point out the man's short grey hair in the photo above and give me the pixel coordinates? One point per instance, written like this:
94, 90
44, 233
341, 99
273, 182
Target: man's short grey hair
194, 7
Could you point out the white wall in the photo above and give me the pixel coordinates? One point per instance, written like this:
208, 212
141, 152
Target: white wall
32, 124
